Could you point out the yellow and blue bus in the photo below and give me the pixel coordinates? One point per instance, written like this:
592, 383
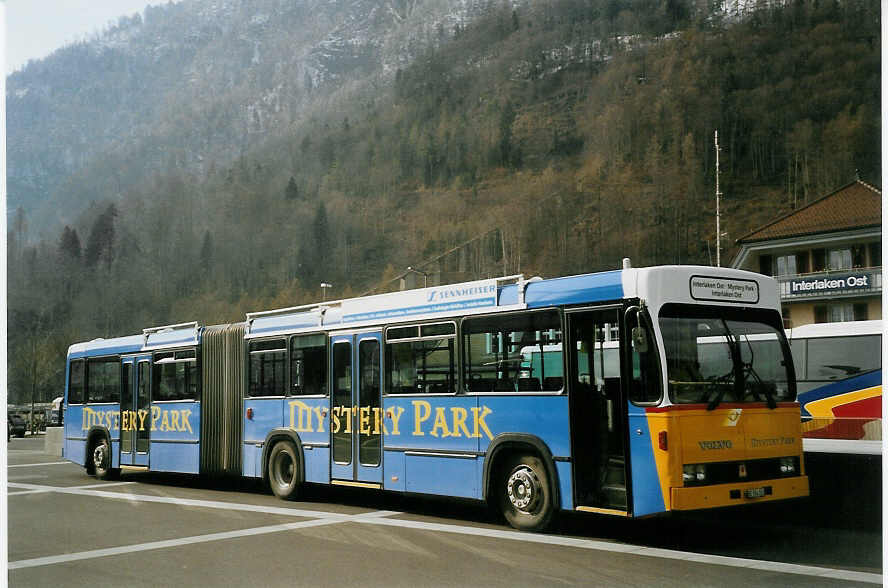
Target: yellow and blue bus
839, 378
623, 412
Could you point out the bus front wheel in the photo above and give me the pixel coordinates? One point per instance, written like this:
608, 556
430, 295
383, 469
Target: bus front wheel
525, 497
283, 471
101, 460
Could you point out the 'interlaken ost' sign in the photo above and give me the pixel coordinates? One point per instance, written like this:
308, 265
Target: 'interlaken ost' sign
724, 289
827, 284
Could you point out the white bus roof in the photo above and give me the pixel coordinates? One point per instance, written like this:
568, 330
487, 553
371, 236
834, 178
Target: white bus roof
835, 329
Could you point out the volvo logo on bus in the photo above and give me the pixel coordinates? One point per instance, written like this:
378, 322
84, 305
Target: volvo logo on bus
720, 444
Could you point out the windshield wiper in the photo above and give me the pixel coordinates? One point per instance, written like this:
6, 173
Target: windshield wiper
737, 361
759, 384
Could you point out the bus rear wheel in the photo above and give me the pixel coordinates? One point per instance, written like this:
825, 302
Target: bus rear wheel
101, 460
524, 493
283, 471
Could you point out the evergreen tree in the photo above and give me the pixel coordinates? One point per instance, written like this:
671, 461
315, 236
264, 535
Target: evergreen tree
100, 244
69, 245
206, 252
292, 190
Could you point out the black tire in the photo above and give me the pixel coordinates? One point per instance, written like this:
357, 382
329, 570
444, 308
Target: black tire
283, 471
100, 459
524, 493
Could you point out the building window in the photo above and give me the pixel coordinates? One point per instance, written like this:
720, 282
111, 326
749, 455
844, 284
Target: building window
860, 312
840, 312
875, 254
787, 318
818, 260
786, 265
839, 259
858, 256
766, 265
802, 262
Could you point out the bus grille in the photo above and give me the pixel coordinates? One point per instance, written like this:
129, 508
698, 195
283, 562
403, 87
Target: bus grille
729, 472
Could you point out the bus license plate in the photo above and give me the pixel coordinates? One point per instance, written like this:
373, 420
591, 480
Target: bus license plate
754, 492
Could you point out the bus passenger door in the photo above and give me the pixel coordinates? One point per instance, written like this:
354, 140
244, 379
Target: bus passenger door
135, 411
356, 418
597, 417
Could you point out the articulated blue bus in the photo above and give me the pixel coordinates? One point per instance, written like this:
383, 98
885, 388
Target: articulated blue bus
583, 393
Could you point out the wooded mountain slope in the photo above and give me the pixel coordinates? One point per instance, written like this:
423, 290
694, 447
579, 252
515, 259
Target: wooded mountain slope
569, 134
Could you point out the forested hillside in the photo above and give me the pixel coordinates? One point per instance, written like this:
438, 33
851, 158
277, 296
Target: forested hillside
544, 138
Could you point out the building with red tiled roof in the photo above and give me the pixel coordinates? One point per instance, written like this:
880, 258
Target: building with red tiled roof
827, 256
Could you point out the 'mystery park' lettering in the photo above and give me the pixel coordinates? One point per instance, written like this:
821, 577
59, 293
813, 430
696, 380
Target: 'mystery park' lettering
436, 422
157, 419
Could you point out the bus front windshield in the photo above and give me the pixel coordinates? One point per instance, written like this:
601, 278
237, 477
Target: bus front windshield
720, 354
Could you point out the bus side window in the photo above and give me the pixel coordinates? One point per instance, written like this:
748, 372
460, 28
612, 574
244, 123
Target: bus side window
644, 381
837, 358
268, 368
75, 383
308, 365
103, 380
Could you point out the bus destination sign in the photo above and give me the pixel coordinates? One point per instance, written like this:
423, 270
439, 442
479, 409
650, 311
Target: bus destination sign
724, 289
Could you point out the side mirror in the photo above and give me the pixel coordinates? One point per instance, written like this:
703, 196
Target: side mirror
639, 339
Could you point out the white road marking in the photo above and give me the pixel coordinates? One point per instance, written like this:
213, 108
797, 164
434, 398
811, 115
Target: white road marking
36, 465
53, 488
56, 559
381, 518
277, 510
767, 566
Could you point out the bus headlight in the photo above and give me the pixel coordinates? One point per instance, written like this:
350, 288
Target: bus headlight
787, 465
694, 474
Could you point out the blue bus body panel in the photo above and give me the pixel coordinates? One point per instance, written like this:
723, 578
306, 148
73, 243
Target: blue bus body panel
75, 439
267, 415
565, 480
436, 445
80, 419
647, 496
572, 290
175, 437
416, 425
308, 416
545, 417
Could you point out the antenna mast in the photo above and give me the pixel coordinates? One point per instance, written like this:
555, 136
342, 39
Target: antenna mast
717, 208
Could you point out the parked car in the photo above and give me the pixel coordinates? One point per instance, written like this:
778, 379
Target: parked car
17, 425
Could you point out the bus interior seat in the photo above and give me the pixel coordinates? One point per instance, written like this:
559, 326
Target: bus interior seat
529, 385
505, 385
553, 383
480, 385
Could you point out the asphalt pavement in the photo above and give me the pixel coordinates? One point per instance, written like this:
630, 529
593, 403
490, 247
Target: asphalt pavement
68, 529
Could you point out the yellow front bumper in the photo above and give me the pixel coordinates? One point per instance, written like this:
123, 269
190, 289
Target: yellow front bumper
739, 493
